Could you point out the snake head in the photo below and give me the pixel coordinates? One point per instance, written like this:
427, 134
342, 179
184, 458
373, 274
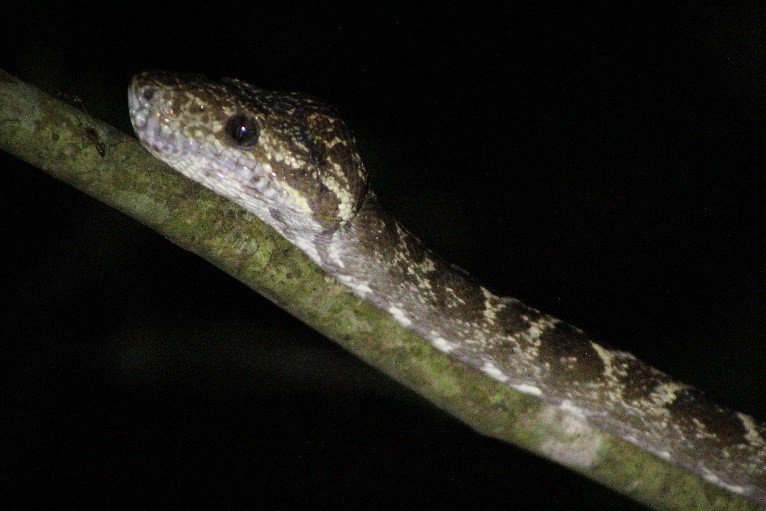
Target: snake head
283, 156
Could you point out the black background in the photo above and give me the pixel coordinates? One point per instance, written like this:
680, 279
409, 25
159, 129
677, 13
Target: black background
604, 163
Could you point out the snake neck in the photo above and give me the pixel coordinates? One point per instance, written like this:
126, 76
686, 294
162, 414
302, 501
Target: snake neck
382, 262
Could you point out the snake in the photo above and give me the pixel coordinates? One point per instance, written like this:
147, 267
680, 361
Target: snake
292, 161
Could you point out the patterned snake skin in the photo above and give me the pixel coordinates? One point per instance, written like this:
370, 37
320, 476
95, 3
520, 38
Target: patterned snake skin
291, 161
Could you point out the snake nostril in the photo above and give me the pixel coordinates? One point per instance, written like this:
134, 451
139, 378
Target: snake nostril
148, 93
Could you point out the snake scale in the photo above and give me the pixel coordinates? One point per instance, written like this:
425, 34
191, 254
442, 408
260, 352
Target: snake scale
291, 161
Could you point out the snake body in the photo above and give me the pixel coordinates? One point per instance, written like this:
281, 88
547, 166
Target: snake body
291, 161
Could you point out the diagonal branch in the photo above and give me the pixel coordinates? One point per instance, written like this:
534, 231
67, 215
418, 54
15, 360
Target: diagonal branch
113, 168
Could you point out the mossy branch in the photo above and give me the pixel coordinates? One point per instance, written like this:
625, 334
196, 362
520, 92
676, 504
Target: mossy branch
112, 167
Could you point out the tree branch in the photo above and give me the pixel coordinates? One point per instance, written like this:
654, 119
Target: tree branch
112, 167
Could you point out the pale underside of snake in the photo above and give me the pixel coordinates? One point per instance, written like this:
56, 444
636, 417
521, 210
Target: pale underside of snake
291, 161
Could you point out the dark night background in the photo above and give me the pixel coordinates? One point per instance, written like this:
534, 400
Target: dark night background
603, 163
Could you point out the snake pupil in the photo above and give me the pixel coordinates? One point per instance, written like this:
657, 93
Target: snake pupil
242, 131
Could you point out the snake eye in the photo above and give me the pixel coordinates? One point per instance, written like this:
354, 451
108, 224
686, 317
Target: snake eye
242, 131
